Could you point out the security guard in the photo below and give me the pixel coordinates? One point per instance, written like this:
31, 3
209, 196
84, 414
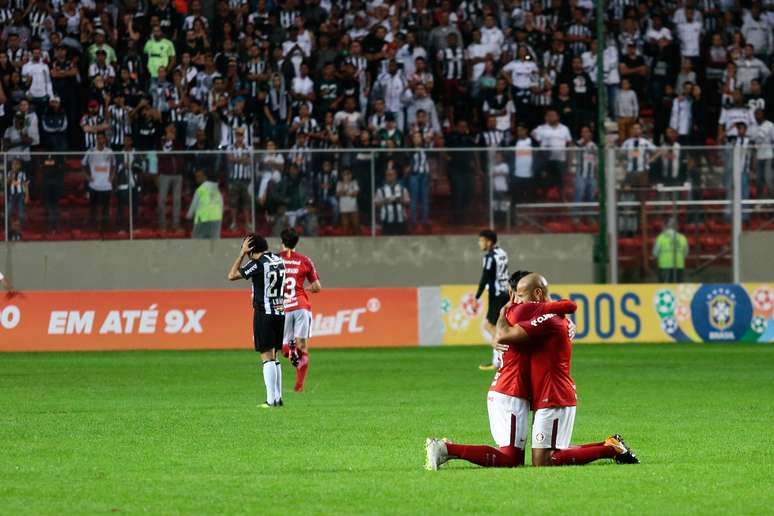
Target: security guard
206, 208
670, 250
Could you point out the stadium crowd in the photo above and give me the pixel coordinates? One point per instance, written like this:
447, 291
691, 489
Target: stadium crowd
406, 76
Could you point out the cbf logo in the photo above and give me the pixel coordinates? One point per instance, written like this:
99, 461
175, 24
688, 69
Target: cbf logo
721, 313
721, 309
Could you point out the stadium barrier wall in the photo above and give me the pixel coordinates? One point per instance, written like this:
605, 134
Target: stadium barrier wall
370, 317
645, 313
343, 262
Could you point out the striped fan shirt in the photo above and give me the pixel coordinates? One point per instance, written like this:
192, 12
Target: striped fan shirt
392, 212
453, 60
419, 163
120, 124
240, 170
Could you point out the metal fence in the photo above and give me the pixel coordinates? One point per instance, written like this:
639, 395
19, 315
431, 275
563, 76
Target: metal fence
710, 194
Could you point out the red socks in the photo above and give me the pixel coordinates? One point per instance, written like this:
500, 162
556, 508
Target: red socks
303, 365
582, 454
487, 456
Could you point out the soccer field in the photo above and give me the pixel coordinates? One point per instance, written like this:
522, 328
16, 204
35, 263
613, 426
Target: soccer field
180, 432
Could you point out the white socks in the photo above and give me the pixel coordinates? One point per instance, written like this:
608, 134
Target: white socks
270, 379
278, 385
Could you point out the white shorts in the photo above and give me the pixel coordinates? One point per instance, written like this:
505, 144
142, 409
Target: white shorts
298, 325
552, 427
508, 419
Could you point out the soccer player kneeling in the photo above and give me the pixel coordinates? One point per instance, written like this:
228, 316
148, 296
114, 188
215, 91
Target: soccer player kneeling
508, 406
552, 389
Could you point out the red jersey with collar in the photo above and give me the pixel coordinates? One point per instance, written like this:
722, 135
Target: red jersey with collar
298, 269
550, 352
514, 378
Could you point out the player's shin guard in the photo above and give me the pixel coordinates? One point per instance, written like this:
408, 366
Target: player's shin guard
487, 456
582, 454
270, 379
303, 365
278, 385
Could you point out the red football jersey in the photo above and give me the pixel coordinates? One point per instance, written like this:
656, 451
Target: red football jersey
551, 350
298, 269
513, 377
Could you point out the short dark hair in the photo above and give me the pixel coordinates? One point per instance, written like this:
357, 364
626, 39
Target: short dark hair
513, 281
489, 235
259, 245
289, 238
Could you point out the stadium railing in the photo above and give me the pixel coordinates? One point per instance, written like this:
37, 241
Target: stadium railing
711, 193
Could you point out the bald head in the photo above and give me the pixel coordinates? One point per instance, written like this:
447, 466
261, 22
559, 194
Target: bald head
532, 288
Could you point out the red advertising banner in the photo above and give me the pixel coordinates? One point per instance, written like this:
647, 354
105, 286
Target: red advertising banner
196, 319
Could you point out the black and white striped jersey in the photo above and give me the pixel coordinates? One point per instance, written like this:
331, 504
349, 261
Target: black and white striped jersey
120, 124
268, 275
494, 277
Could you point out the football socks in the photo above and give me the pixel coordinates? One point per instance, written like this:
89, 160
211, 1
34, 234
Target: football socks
487, 456
270, 379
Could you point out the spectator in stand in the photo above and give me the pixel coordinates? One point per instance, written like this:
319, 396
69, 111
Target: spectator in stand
670, 250
347, 191
171, 167
632, 66
680, 119
499, 104
294, 192
419, 181
689, 30
240, 178
160, 52
582, 93
392, 199
421, 101
53, 187
498, 177
750, 68
523, 182
664, 56
555, 137
628, 109
686, 75
461, 167
757, 31
38, 79
17, 141
671, 161
763, 134
93, 123
639, 153
18, 197
99, 166
54, 125
130, 166
586, 167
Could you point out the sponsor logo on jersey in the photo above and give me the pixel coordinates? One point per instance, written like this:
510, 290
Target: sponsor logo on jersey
541, 319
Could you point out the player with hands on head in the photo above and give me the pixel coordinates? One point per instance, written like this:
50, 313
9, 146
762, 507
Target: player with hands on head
266, 271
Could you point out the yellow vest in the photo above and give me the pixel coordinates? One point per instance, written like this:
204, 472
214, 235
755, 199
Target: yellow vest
210, 207
671, 250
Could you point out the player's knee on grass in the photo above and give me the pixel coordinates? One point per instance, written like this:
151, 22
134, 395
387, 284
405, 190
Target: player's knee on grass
302, 343
268, 355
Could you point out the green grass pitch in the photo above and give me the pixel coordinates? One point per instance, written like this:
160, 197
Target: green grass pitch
180, 432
